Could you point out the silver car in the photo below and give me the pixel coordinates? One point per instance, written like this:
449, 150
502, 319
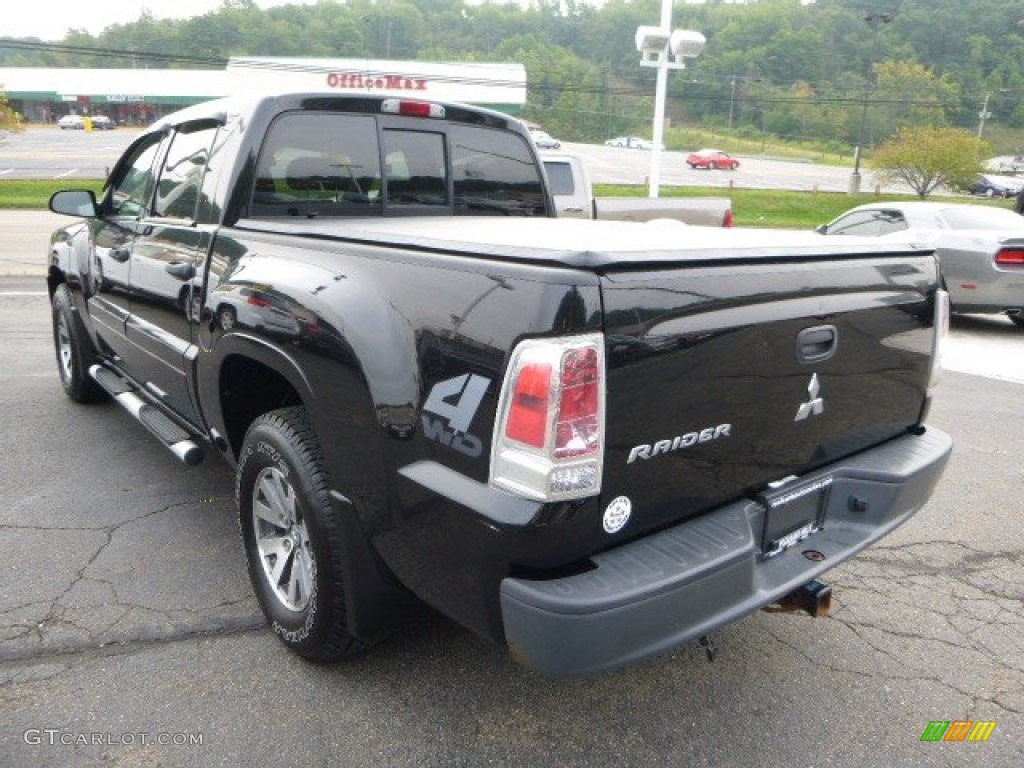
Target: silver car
980, 248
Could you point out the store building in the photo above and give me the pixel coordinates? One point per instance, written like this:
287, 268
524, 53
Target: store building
140, 96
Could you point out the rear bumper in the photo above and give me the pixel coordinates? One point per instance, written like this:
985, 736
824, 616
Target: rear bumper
654, 594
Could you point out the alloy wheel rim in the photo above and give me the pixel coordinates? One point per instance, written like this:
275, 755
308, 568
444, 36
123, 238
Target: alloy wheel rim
64, 348
282, 541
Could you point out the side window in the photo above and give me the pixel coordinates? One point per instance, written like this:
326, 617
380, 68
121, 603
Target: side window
495, 171
891, 221
177, 191
131, 192
415, 168
315, 164
859, 223
560, 178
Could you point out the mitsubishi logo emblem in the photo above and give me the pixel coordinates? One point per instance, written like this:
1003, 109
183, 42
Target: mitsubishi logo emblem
815, 406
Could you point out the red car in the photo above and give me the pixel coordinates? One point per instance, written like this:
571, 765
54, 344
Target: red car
712, 158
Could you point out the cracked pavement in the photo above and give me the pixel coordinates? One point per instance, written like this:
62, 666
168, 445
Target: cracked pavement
125, 608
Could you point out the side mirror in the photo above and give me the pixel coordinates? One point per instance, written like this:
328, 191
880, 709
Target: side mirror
822, 229
75, 202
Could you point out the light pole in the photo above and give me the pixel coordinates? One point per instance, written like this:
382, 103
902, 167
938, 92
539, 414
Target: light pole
874, 20
985, 114
654, 44
732, 99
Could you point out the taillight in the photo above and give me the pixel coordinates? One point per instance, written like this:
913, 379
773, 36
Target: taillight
549, 434
1010, 257
411, 108
727, 219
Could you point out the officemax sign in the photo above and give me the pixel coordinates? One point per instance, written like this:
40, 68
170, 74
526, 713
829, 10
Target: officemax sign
361, 82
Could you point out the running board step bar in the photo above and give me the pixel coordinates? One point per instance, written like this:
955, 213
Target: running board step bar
174, 438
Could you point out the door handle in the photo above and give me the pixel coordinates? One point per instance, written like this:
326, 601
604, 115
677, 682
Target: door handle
813, 345
183, 270
573, 209
120, 255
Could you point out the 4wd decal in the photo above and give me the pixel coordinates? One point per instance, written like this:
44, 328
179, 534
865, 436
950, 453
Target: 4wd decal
455, 401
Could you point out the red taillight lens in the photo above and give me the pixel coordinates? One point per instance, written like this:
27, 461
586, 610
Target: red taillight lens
1010, 257
528, 411
727, 219
577, 429
412, 108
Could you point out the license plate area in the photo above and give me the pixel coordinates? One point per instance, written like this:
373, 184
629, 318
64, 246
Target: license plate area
792, 513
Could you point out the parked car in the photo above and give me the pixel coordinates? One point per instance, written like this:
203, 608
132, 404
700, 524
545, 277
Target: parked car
544, 140
995, 186
102, 123
712, 158
630, 142
71, 122
980, 248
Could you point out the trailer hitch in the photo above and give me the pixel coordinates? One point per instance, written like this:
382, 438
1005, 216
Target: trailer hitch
814, 597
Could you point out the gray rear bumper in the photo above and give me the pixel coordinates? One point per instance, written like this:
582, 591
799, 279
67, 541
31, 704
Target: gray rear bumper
654, 594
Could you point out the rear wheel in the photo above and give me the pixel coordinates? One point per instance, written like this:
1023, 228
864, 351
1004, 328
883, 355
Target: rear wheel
292, 537
75, 353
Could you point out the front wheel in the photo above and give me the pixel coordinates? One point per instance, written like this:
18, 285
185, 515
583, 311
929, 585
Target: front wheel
75, 353
292, 537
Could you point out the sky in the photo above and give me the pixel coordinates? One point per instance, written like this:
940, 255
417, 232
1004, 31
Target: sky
51, 19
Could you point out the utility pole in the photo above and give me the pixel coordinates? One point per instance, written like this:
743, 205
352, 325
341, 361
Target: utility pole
874, 20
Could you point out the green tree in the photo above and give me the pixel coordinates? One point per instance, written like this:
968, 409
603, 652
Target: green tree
909, 94
9, 119
926, 158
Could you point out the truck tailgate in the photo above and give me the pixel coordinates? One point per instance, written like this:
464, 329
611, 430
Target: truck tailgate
725, 378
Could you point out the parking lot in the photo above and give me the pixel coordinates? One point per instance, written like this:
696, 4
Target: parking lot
46, 152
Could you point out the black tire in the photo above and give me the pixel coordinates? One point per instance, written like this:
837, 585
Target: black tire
1018, 320
281, 469
75, 353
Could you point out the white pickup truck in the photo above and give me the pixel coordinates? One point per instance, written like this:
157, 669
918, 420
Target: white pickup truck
574, 198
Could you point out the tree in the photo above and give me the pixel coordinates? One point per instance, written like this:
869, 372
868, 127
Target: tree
9, 119
927, 158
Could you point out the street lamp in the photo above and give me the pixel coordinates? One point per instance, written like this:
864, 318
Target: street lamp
654, 44
874, 20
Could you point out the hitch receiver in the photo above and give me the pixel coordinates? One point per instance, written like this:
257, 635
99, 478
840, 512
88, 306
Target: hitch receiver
815, 597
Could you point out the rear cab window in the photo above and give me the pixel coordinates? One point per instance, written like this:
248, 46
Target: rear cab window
315, 164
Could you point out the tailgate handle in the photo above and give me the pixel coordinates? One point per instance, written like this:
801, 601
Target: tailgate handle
816, 344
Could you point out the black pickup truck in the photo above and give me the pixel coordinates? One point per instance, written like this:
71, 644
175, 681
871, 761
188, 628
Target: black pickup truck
594, 441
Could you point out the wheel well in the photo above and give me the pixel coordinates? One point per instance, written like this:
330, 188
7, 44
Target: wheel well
247, 389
